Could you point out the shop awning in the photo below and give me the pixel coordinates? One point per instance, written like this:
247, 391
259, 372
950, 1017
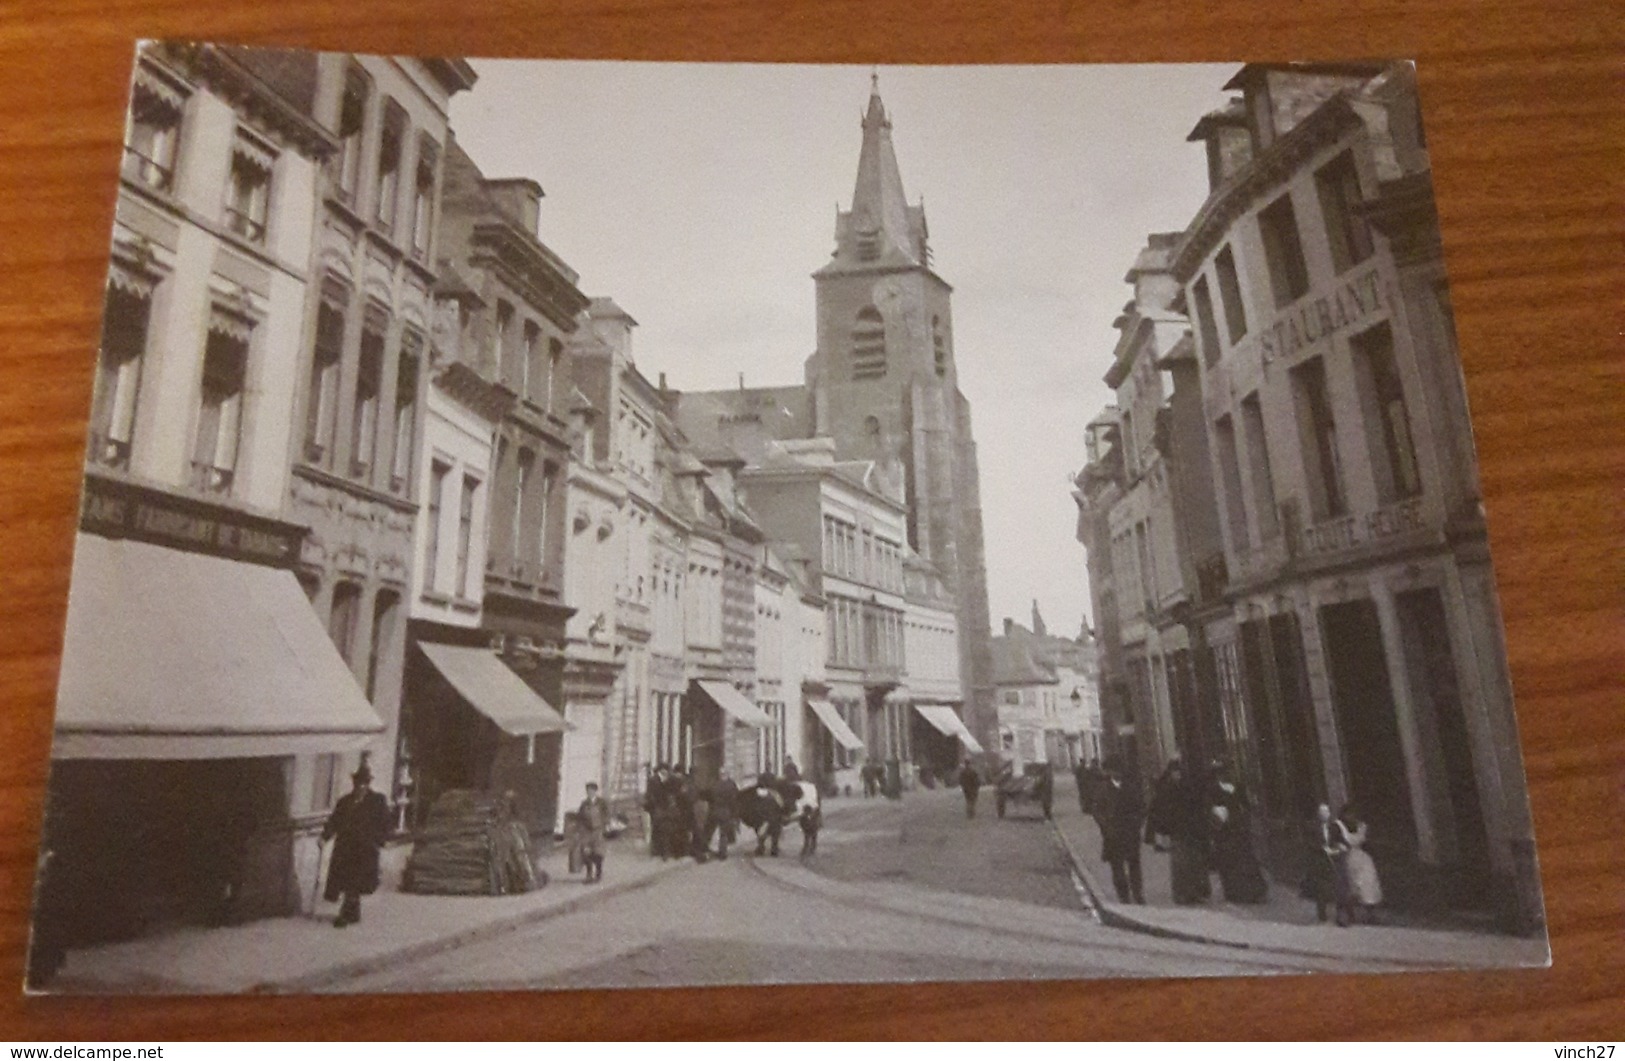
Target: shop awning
494, 690
178, 655
836, 725
947, 722
733, 702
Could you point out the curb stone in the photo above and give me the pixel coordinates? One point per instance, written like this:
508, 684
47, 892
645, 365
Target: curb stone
1112, 916
315, 982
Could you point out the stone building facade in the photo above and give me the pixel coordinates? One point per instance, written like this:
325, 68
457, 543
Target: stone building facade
359, 418
1351, 633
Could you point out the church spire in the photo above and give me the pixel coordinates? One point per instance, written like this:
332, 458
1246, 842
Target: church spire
880, 217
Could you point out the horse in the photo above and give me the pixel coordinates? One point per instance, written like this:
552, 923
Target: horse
766, 808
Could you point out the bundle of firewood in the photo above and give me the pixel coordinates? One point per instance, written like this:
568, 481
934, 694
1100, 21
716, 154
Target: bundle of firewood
470, 845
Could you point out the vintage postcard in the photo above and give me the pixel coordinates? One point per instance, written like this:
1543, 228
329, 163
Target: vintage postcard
559, 524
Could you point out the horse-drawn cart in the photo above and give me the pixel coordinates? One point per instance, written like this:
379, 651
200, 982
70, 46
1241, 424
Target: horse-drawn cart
1034, 786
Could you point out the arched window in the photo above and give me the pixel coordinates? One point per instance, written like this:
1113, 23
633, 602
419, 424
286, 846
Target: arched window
868, 345
940, 341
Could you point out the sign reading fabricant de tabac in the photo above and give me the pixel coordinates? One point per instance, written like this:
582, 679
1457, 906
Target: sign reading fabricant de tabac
115, 508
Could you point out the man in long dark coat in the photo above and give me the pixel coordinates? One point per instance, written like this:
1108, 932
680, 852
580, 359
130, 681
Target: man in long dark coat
657, 801
724, 813
358, 827
1119, 810
970, 783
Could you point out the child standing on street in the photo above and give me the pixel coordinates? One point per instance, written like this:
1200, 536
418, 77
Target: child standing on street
591, 818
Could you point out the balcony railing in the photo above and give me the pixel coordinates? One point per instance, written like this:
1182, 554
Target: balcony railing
147, 171
109, 452
245, 224
211, 480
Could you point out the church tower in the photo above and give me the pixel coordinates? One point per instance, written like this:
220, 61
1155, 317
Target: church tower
885, 388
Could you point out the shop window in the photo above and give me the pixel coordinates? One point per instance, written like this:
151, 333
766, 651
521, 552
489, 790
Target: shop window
512, 373
325, 781
1224, 432
1258, 467
248, 191
341, 624
385, 610
220, 410
364, 422
352, 131
465, 533
153, 135
1393, 453
406, 411
532, 373
1148, 576
387, 189
1338, 186
1235, 314
118, 377
423, 199
555, 358
1283, 250
526, 466
321, 414
1318, 435
869, 345
438, 470
1206, 326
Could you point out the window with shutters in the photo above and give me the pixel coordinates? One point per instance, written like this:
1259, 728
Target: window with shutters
220, 410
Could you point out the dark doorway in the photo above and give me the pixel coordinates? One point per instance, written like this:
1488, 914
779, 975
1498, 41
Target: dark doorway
1301, 737
1431, 669
1366, 720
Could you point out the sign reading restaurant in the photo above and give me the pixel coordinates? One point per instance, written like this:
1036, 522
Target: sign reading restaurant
117, 508
1314, 319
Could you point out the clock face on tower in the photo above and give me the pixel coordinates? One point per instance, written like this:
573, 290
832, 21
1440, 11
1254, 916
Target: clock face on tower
888, 293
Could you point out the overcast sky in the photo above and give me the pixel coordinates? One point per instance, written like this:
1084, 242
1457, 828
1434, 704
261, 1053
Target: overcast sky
702, 197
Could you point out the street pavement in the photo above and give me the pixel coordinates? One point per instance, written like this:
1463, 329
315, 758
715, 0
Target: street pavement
898, 890
1285, 923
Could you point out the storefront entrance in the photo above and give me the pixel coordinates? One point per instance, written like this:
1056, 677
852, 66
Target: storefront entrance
1458, 816
138, 846
1368, 725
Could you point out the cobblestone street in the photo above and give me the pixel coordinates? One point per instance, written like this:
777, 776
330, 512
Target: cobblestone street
904, 890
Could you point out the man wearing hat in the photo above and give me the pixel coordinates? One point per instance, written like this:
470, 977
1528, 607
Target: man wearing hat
358, 828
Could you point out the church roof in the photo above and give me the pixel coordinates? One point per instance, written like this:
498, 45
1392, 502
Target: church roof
881, 230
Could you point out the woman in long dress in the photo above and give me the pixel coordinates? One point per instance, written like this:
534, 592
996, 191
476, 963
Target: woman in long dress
1176, 814
1363, 886
1233, 855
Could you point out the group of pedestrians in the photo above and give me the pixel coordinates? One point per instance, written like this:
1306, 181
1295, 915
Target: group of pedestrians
1342, 875
686, 818
1204, 821
689, 819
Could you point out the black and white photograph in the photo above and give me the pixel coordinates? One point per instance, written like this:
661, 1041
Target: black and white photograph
555, 525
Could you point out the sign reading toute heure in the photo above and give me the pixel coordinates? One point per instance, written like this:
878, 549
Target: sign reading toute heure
117, 508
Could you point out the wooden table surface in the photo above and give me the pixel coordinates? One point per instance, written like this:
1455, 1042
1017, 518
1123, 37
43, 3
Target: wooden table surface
1523, 104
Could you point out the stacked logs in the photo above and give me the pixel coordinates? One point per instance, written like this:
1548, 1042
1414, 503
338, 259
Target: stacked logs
471, 845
